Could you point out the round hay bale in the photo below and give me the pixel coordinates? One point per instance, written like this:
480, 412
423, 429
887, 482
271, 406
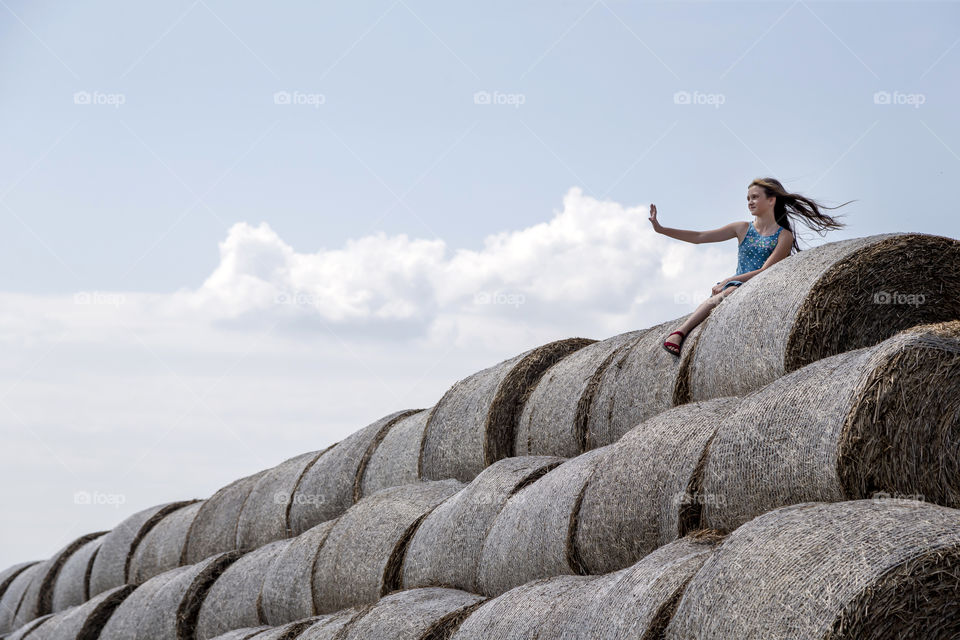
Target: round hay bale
233, 600
125, 621
214, 529
265, 513
72, 586
395, 460
162, 548
360, 560
827, 300
633, 502
414, 615
445, 550
328, 487
878, 419
554, 418
856, 569
8, 574
13, 595
84, 621
533, 535
38, 598
25, 630
112, 562
287, 593
475, 422
330, 626
175, 607
637, 384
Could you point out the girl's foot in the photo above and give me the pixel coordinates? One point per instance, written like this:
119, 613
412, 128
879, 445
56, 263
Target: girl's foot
674, 347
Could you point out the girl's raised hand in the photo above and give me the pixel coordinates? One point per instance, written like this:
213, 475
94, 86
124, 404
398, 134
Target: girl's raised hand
653, 217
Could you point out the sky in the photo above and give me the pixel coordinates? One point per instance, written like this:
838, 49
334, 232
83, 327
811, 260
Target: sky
230, 236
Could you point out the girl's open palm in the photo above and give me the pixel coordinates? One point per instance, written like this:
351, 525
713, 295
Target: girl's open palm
653, 216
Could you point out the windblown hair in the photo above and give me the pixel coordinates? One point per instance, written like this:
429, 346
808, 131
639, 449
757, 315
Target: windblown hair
793, 206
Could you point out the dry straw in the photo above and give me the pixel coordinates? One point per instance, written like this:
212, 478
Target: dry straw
533, 536
361, 558
72, 586
288, 631
475, 422
27, 629
554, 418
232, 600
856, 569
415, 614
445, 550
162, 548
214, 529
265, 513
242, 634
820, 302
633, 503
125, 621
327, 488
84, 621
878, 419
112, 562
329, 627
14, 593
395, 459
287, 594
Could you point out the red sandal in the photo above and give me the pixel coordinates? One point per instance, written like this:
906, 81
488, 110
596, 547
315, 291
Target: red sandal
675, 348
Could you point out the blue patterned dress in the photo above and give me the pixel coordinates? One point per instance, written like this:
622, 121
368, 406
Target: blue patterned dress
753, 251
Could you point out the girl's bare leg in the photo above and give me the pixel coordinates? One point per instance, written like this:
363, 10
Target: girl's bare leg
700, 314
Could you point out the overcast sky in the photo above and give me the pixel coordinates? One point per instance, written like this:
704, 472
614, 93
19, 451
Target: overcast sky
234, 232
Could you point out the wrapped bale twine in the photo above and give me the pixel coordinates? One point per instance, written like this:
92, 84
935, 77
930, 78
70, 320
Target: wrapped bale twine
125, 621
162, 548
445, 550
214, 528
827, 300
648, 492
112, 562
265, 514
414, 615
232, 601
879, 419
534, 534
554, 418
475, 422
84, 621
287, 594
328, 488
15, 592
361, 559
857, 569
72, 586
395, 460
175, 607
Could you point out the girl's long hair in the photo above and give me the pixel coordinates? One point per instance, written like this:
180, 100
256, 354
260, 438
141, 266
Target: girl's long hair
791, 206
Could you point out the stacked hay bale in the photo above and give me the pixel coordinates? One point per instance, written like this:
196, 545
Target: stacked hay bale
395, 458
834, 298
17, 580
161, 549
475, 422
214, 528
125, 621
413, 615
288, 592
72, 586
878, 419
82, 622
648, 493
856, 569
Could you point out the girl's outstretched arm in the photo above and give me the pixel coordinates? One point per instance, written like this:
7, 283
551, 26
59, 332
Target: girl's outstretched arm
733, 230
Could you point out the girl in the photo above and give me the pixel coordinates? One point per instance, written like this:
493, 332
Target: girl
762, 243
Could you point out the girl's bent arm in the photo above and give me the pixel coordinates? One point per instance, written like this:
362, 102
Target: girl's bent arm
782, 250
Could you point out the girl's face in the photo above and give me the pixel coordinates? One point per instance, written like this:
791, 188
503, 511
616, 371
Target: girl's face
758, 203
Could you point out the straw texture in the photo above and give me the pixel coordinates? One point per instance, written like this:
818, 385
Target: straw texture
24, 631
162, 548
878, 419
554, 418
232, 601
111, 564
214, 529
633, 502
288, 593
242, 634
856, 569
475, 422
533, 536
396, 458
817, 303
72, 586
329, 627
14, 593
84, 621
327, 488
360, 561
445, 550
413, 614
288, 631
125, 620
